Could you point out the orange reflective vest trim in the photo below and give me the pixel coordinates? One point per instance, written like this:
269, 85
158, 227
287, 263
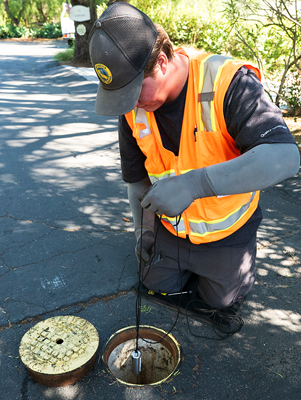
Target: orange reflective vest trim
204, 141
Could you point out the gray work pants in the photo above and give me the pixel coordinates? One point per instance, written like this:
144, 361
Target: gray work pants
224, 274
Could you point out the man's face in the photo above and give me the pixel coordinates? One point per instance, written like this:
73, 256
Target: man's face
152, 93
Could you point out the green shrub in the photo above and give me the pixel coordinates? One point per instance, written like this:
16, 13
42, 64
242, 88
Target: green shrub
34, 33
50, 31
12, 31
188, 23
190, 30
47, 30
292, 92
4, 32
66, 55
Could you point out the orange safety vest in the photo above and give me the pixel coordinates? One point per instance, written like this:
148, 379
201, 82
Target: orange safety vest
204, 141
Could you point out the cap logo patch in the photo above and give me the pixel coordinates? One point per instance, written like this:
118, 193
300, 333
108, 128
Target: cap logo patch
103, 73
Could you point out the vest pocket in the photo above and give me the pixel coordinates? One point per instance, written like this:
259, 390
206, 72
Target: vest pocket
220, 207
224, 150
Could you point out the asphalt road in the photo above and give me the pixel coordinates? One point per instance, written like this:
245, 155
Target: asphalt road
67, 248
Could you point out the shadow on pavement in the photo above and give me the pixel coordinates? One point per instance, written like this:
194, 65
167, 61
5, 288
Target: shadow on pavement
67, 247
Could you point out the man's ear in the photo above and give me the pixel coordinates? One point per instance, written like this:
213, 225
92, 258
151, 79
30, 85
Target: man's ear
163, 62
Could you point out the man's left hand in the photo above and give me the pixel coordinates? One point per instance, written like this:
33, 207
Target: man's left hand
169, 196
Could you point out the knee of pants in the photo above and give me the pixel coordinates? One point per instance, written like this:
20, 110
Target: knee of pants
217, 297
224, 291
164, 276
217, 302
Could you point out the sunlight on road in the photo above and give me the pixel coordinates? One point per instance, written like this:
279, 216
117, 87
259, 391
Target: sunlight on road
287, 320
26, 47
66, 393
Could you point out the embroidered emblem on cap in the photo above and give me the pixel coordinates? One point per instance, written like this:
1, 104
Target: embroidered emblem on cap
103, 73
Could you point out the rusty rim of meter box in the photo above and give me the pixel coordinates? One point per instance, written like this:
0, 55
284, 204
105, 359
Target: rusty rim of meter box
60, 350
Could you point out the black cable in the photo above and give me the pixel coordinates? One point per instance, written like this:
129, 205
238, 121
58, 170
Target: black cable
217, 317
138, 300
154, 252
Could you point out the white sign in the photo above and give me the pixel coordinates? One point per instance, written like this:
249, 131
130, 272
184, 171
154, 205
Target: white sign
80, 13
81, 29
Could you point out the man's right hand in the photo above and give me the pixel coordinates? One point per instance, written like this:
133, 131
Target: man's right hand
145, 247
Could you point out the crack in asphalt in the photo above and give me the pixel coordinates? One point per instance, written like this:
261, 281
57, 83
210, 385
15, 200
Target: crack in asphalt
52, 257
124, 267
83, 304
3, 310
122, 230
4, 265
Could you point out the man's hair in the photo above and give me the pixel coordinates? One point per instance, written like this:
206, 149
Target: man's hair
164, 44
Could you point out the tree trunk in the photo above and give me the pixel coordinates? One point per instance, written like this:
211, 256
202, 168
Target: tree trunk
14, 20
42, 16
81, 44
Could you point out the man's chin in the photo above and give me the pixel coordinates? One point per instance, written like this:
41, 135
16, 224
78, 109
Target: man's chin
150, 108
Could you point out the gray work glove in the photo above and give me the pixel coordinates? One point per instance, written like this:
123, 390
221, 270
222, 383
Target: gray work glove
261, 167
145, 245
171, 196
135, 191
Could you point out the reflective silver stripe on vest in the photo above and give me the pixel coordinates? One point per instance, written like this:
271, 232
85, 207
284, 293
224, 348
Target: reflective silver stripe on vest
178, 226
140, 116
154, 177
204, 228
211, 67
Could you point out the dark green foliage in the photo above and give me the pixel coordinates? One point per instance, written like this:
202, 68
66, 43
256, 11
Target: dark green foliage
47, 30
50, 31
12, 31
292, 91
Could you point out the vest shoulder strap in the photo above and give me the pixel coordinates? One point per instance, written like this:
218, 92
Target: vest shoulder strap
211, 70
140, 117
